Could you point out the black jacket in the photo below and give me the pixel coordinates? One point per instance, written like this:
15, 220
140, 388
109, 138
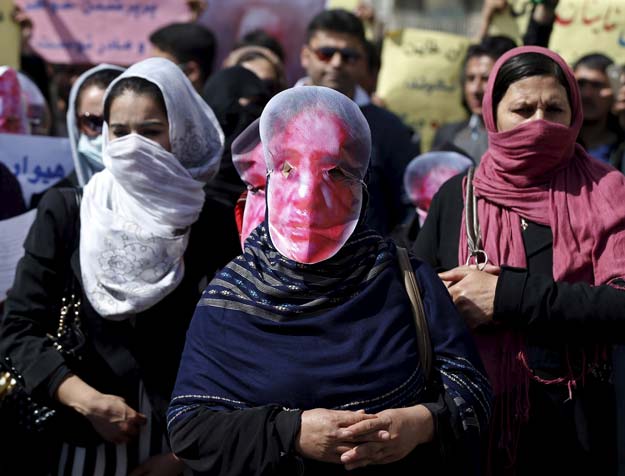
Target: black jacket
117, 354
563, 435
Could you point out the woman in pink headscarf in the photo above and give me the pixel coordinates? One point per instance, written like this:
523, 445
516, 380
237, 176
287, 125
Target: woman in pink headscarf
535, 264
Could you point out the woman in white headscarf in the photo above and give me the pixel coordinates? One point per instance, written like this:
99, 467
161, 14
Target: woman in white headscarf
148, 241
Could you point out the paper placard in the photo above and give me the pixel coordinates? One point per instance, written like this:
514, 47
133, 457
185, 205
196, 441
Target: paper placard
9, 36
38, 162
12, 235
286, 21
420, 79
84, 31
581, 27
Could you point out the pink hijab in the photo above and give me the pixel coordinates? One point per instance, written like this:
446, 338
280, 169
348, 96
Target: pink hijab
537, 171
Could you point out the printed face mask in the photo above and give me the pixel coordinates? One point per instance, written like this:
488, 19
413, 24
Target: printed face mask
12, 110
313, 196
255, 177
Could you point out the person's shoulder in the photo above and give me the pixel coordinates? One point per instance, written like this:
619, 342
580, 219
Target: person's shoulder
452, 188
60, 201
382, 117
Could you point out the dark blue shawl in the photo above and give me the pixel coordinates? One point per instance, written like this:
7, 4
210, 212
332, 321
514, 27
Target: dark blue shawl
339, 334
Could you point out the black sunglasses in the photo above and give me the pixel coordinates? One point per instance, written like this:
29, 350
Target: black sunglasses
326, 53
90, 123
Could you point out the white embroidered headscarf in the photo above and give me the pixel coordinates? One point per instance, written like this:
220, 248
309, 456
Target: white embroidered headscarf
85, 168
136, 213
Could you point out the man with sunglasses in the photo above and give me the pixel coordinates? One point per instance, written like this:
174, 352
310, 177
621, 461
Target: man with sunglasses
335, 56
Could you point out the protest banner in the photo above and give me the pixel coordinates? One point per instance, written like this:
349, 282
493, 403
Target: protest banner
38, 162
13, 232
581, 27
420, 79
285, 21
9, 36
107, 31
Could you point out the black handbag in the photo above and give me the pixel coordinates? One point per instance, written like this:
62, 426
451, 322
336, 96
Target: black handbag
69, 340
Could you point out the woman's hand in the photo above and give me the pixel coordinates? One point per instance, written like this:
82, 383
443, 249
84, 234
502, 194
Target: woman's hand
113, 419
321, 435
389, 437
473, 292
166, 464
109, 415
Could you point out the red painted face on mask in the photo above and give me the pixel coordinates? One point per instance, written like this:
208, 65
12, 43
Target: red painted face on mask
12, 112
255, 177
314, 200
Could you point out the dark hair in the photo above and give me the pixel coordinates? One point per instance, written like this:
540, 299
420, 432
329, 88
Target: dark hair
187, 42
595, 61
261, 38
491, 46
337, 21
524, 66
138, 86
100, 79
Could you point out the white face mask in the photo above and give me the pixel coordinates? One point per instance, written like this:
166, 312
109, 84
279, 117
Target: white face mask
90, 149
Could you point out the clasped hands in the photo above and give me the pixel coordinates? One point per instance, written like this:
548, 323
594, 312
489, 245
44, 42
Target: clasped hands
357, 439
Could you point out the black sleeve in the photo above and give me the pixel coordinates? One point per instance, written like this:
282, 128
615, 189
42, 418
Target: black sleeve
255, 441
538, 34
576, 310
33, 304
426, 246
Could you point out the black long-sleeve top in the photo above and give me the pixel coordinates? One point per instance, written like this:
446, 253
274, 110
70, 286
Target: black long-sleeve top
529, 298
117, 354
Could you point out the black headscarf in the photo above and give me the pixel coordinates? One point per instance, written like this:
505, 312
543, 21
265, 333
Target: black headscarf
222, 92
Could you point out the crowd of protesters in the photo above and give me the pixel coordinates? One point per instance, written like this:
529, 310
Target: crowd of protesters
277, 280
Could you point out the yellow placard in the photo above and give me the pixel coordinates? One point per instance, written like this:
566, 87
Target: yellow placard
9, 36
420, 79
349, 5
581, 27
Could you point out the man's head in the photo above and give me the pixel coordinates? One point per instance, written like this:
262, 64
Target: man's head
190, 45
334, 54
478, 62
594, 86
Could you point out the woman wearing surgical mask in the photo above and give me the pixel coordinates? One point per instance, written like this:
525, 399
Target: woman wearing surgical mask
302, 355
147, 242
534, 259
85, 119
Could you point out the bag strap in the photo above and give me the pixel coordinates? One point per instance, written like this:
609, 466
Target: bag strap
472, 226
423, 332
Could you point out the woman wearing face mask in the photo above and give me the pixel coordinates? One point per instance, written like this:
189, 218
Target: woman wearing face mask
85, 119
547, 232
140, 246
302, 354
249, 161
